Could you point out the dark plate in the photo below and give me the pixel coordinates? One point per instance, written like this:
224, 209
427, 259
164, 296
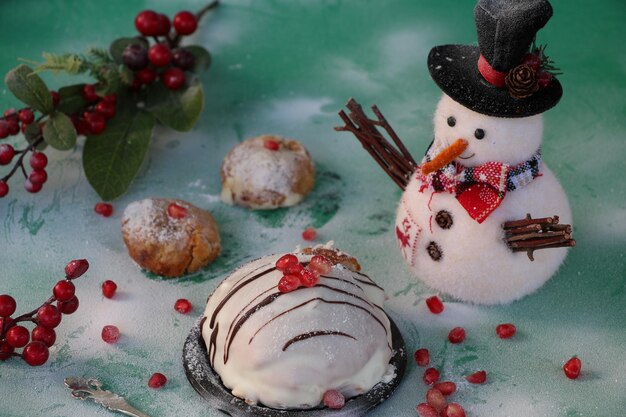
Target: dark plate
209, 386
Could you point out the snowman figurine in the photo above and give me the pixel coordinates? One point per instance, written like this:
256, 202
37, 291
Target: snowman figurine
465, 221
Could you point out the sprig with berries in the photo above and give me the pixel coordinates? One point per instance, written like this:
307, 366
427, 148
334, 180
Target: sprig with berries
140, 81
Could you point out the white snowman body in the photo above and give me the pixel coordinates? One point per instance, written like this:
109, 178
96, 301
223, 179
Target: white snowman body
475, 264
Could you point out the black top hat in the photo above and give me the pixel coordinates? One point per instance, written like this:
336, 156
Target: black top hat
498, 78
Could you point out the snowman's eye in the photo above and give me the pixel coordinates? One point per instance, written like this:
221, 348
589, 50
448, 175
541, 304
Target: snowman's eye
451, 121
479, 134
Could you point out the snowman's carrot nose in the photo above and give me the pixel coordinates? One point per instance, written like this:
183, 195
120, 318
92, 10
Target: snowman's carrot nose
445, 157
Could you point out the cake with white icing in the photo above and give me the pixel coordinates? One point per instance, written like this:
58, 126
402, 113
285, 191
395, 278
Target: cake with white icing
285, 346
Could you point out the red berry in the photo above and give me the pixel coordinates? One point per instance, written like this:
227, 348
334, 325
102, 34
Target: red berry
96, 122
159, 55
6, 154
157, 380
10, 114
5, 350
56, 98
183, 306
108, 288
183, 59
111, 98
18, 336
32, 187
64, 291
7, 305
453, 410
14, 127
333, 399
309, 234
456, 335
164, 25
76, 268
505, 330
309, 278
110, 334
288, 283
68, 307
285, 260
293, 269
431, 375
44, 335
4, 188
435, 305
89, 93
48, 316
173, 78
106, 109
26, 116
147, 23
544, 79
572, 368
436, 400
320, 264
446, 388
35, 353
185, 23
38, 160
38, 176
532, 60
422, 357
176, 211
146, 76
103, 209
271, 144
477, 377
425, 410
4, 129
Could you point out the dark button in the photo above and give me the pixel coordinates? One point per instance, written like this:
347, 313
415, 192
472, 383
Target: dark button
434, 251
444, 219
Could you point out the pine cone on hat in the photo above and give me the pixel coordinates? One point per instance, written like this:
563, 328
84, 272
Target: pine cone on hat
522, 81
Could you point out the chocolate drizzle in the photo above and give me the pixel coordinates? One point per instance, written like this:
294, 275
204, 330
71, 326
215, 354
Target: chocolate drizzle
305, 336
368, 282
213, 344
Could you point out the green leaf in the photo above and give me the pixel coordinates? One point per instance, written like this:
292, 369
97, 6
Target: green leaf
72, 100
32, 133
111, 159
117, 47
29, 88
59, 132
202, 58
178, 109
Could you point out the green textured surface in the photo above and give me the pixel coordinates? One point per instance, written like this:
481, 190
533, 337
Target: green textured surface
286, 67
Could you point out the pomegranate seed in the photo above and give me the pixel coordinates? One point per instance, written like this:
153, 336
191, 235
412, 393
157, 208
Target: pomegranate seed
309, 234
425, 410
272, 145
285, 260
18, 336
422, 357
64, 290
506, 330
76, 268
309, 278
68, 307
157, 380
446, 388
435, 305
108, 288
183, 306
48, 316
334, 399
44, 335
572, 368
436, 400
110, 334
35, 353
320, 264
477, 377
431, 375
456, 335
293, 269
5, 350
103, 209
288, 283
453, 410
176, 212
7, 305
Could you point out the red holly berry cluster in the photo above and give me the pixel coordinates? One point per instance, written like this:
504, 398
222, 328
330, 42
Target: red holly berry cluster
163, 60
93, 119
297, 274
35, 343
535, 61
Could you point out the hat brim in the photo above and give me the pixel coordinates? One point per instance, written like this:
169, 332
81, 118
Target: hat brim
455, 70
